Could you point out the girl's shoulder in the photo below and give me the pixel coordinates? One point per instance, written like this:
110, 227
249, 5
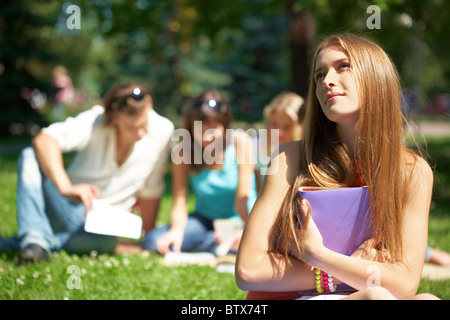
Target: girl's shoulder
417, 175
417, 168
285, 161
290, 152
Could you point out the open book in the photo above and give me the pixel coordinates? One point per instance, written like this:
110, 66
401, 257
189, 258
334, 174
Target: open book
108, 220
226, 230
341, 215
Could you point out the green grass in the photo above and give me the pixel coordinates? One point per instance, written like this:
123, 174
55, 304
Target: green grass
439, 222
107, 276
112, 277
121, 276
143, 276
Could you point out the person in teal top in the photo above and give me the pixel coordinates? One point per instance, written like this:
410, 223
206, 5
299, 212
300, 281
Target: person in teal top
217, 162
215, 190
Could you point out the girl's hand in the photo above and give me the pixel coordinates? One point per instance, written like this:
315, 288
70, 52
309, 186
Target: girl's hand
312, 240
174, 238
367, 250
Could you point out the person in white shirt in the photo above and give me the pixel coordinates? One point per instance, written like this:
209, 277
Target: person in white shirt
121, 149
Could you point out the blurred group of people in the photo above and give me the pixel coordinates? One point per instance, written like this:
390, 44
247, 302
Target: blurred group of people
122, 150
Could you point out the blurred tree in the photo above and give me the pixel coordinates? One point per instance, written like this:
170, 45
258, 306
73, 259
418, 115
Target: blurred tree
20, 46
259, 64
249, 45
413, 33
250, 49
302, 36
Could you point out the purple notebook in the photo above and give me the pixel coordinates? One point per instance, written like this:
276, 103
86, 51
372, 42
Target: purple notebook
341, 215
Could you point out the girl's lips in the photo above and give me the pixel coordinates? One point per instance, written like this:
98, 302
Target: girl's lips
333, 96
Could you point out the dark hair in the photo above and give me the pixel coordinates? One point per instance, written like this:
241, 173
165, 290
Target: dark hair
125, 98
200, 110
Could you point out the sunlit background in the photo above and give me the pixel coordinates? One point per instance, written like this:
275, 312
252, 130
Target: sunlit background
250, 49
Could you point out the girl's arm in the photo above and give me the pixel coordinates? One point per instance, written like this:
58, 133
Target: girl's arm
149, 212
246, 168
257, 268
179, 213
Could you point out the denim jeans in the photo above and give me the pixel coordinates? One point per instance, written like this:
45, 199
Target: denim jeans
47, 218
198, 235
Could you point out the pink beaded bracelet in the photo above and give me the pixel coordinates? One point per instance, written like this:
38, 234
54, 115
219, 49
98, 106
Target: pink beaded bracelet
328, 282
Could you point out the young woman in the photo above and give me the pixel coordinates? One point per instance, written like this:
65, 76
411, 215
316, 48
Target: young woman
353, 137
285, 114
220, 172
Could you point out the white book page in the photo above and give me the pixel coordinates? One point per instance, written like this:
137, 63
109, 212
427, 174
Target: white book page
108, 220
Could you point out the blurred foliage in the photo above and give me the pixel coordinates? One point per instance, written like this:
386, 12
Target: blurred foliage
181, 47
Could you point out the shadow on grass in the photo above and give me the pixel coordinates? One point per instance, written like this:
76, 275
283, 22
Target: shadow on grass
9, 256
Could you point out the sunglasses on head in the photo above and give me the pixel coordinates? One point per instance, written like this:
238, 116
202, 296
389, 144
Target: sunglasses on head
120, 103
211, 104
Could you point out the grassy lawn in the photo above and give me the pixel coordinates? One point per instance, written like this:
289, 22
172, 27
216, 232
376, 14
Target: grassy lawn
439, 222
103, 277
143, 276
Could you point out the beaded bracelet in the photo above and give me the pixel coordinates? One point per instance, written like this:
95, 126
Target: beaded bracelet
327, 281
319, 288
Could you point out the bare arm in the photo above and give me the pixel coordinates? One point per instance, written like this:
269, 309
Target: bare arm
246, 168
257, 267
149, 212
49, 156
179, 213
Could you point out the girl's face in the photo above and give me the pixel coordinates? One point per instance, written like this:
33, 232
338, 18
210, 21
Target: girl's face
211, 129
336, 87
281, 121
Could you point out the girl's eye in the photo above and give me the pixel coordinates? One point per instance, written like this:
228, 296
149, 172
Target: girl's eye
318, 76
345, 65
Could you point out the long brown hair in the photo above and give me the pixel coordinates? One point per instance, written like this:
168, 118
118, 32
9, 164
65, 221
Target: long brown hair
380, 152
